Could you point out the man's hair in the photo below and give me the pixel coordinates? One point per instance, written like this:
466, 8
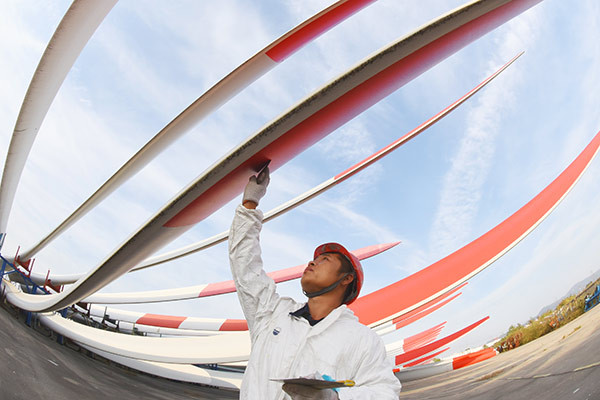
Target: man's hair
346, 268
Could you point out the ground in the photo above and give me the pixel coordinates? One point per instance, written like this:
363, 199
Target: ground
34, 366
563, 364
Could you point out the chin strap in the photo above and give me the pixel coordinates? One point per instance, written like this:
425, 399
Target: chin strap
327, 289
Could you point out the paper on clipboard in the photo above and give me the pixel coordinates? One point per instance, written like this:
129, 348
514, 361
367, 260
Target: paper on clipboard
316, 383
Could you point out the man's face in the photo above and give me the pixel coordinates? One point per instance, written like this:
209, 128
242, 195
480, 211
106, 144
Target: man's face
321, 272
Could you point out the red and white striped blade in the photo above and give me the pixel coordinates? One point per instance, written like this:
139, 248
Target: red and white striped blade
445, 274
411, 355
216, 96
217, 288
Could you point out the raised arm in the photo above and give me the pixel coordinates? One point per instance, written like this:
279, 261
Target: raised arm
256, 291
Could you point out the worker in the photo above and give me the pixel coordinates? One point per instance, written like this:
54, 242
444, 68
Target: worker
321, 337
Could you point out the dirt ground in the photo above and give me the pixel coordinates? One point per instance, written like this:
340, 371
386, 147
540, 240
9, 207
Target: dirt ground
562, 364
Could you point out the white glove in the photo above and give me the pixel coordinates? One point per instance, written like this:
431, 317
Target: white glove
256, 186
302, 392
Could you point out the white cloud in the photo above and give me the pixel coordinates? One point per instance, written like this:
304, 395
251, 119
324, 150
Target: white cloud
342, 216
351, 144
464, 182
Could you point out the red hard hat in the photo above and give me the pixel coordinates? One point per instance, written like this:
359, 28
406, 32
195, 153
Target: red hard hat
359, 275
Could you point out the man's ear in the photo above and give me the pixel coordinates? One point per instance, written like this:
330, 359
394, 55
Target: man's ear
347, 279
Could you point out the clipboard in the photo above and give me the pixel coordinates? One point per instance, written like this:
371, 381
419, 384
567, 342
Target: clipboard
316, 383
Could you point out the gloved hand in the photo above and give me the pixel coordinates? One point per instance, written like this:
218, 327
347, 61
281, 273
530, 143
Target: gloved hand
256, 187
301, 392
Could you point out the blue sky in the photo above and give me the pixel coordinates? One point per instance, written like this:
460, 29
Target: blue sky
437, 193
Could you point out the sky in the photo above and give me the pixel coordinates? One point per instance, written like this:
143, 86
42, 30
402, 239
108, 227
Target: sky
437, 193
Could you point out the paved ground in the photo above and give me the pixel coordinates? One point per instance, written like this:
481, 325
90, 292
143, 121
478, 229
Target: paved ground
564, 364
35, 366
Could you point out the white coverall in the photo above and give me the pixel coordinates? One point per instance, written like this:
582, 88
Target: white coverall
284, 346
